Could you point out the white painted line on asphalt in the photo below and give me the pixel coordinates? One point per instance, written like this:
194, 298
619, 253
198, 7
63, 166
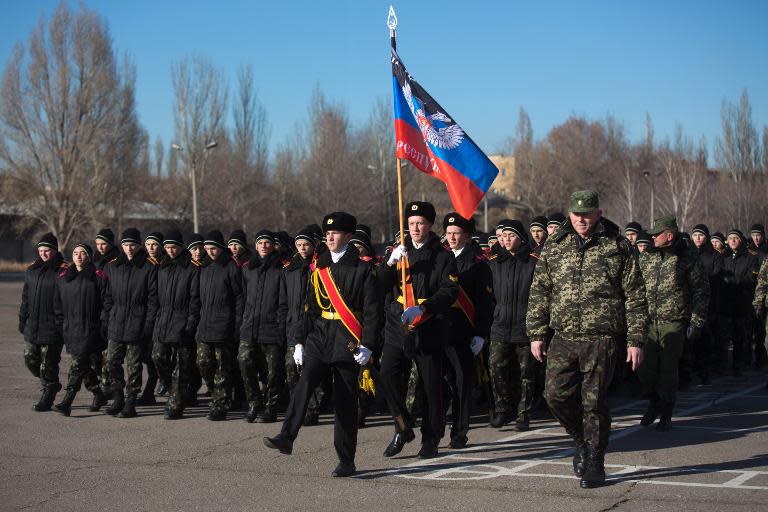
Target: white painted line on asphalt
735, 482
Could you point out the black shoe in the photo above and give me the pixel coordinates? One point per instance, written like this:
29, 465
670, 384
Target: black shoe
147, 397
311, 420
46, 400
522, 425
344, 469
579, 458
650, 415
398, 442
253, 411
279, 443
129, 409
458, 442
191, 400
65, 406
268, 415
162, 389
428, 450
237, 405
665, 423
173, 414
217, 414
99, 400
501, 419
594, 470
117, 404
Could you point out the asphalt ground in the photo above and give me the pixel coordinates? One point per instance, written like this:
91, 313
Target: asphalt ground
713, 459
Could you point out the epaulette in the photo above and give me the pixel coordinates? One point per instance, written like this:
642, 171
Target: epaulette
366, 258
195, 262
62, 273
534, 255
101, 274
286, 263
492, 257
152, 260
481, 257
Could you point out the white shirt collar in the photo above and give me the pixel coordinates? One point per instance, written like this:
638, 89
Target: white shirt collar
336, 256
457, 252
418, 246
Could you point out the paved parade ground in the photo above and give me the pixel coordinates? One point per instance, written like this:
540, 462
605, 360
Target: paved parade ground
715, 458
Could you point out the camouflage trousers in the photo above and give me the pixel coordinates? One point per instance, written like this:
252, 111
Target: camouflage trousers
43, 361
82, 370
131, 353
414, 394
175, 363
661, 358
292, 374
576, 388
513, 374
261, 363
214, 360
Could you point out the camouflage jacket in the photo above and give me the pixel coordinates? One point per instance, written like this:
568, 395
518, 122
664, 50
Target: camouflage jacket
761, 290
676, 286
586, 290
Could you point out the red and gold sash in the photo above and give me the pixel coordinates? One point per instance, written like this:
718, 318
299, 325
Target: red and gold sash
408, 299
346, 316
464, 303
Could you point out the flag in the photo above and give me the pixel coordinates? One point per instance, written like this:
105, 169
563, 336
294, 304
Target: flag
435, 144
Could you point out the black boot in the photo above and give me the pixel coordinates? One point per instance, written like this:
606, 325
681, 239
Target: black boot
129, 409
173, 413
65, 406
594, 469
148, 396
522, 424
46, 399
399, 441
162, 388
268, 415
665, 423
280, 443
99, 400
428, 450
344, 469
312, 418
253, 411
501, 419
650, 414
118, 401
579, 458
217, 414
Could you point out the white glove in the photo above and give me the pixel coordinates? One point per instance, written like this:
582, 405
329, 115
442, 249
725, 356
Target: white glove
298, 354
411, 314
398, 253
362, 355
476, 345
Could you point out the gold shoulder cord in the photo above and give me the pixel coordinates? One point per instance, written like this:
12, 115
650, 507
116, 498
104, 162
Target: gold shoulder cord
319, 294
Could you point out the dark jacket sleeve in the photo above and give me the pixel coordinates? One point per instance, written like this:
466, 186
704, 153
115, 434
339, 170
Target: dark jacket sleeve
238, 290
485, 302
107, 304
58, 308
303, 323
444, 297
282, 308
24, 308
372, 309
152, 304
193, 317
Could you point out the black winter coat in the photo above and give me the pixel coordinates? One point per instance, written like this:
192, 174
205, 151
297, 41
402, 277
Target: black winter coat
221, 301
111, 255
266, 303
130, 301
296, 279
178, 298
435, 282
512, 279
355, 278
739, 278
712, 262
78, 302
477, 282
37, 319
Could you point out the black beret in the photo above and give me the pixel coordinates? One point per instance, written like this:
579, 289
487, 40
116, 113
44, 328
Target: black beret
421, 209
757, 228
454, 219
701, 228
643, 237
718, 236
195, 239
131, 235
106, 235
308, 234
491, 236
633, 227
556, 218
173, 237
365, 229
87, 249
284, 239
50, 241
360, 237
156, 236
215, 238
339, 221
264, 234
540, 221
517, 228
483, 239
238, 237
735, 231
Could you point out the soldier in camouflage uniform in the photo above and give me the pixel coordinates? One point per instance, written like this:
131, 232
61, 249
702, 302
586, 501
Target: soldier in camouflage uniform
760, 302
588, 289
677, 291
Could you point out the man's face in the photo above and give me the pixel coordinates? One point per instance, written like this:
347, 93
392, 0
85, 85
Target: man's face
45, 253
631, 236
236, 249
510, 241
734, 242
102, 246
552, 228
153, 248
419, 228
214, 251
584, 223
493, 241
717, 244
336, 240
457, 238
172, 250
197, 252
757, 238
79, 257
642, 246
699, 239
130, 249
664, 239
265, 247
304, 248
538, 234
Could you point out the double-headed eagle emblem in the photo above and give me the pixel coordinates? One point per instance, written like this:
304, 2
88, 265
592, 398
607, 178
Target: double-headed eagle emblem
447, 137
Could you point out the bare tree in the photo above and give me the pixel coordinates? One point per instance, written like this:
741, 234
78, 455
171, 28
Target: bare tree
683, 171
159, 156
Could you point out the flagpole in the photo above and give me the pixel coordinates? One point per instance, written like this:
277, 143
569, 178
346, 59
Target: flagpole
392, 24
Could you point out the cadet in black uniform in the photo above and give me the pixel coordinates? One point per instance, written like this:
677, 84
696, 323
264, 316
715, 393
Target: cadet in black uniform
153, 243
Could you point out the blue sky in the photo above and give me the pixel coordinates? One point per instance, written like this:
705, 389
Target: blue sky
481, 60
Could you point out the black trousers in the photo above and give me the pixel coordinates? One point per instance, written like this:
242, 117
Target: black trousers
460, 371
430, 366
344, 403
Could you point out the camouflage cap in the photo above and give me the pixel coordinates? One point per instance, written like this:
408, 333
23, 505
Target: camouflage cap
663, 223
584, 201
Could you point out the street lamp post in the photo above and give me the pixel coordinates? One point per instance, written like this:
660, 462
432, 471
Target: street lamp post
653, 194
193, 177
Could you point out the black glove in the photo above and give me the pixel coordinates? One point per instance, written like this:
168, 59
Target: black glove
693, 332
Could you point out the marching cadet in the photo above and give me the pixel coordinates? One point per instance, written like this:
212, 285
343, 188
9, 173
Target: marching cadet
196, 248
37, 319
555, 221
241, 254
106, 252
758, 246
631, 232
712, 263
78, 302
238, 246
153, 243
200, 259
718, 242
643, 242
221, 311
262, 332
340, 323
511, 363
538, 230
130, 307
422, 308
677, 292
178, 294
588, 290
760, 302
470, 320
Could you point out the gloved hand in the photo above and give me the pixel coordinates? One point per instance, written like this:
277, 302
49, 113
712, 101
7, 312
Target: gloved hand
693, 332
298, 354
759, 313
398, 253
476, 345
411, 314
362, 355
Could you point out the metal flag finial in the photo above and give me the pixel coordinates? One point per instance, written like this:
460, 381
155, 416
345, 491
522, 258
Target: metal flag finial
391, 18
